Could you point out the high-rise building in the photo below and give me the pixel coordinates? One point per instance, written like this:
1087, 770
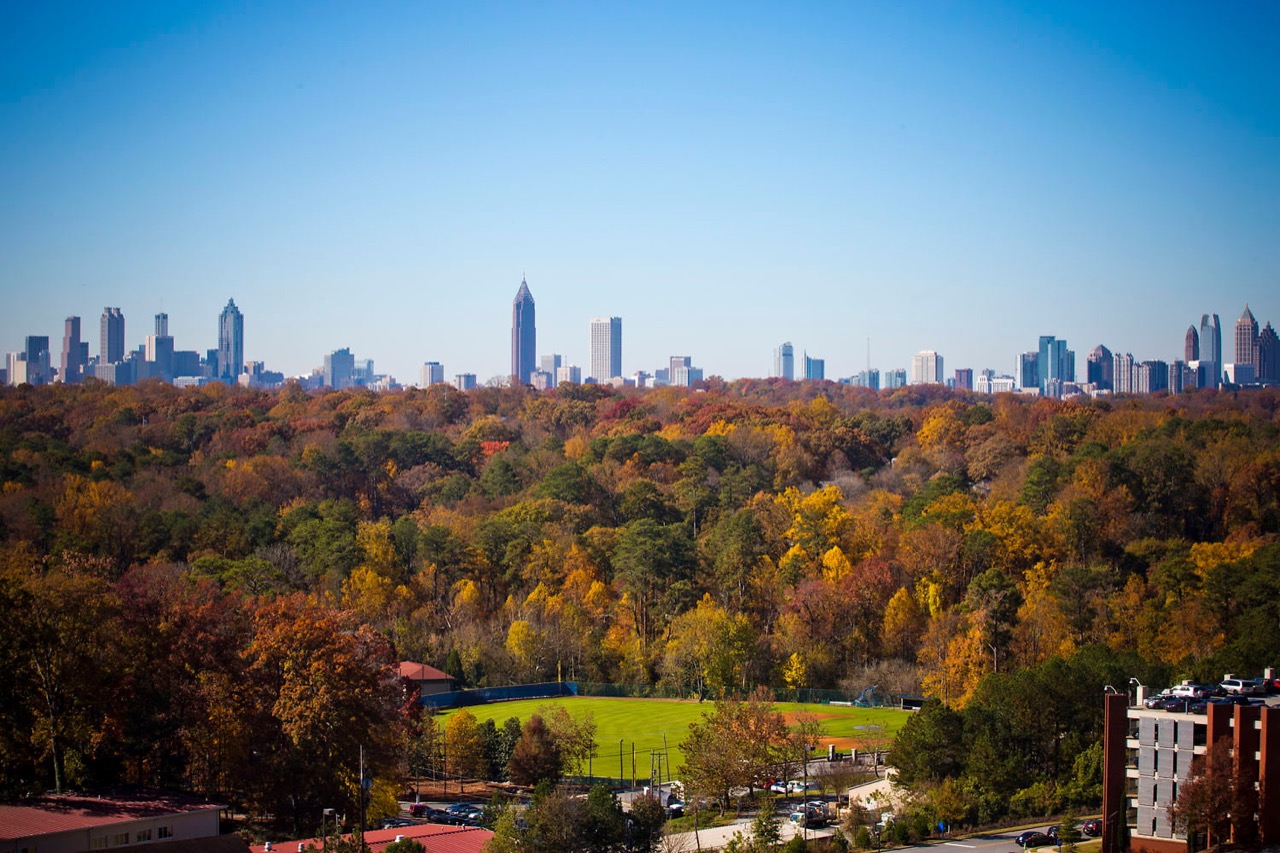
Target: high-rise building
231, 342
869, 378
159, 354
926, 368
1028, 372
1191, 345
551, 363
1177, 376
432, 374
964, 378
71, 367
1210, 351
1268, 355
678, 361
895, 378
162, 325
814, 368
784, 361
339, 366
1056, 364
685, 375
606, 348
112, 336
1151, 376
1100, 368
1123, 369
570, 373
37, 356
1247, 338
464, 381
523, 336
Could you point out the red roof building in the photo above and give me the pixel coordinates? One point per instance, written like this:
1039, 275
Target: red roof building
437, 838
428, 679
71, 823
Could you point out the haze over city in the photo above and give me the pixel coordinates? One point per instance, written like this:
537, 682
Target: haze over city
959, 178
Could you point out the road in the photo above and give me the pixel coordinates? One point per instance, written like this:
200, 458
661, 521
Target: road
713, 839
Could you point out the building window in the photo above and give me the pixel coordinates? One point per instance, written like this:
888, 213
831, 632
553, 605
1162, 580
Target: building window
98, 843
120, 838
164, 832
143, 835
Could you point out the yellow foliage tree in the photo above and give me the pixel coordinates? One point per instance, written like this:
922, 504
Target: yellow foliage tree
794, 672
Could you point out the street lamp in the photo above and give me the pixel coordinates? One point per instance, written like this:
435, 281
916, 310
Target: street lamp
324, 835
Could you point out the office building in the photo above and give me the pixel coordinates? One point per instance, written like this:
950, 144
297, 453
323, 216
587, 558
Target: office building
37, 360
606, 348
541, 380
159, 352
1210, 351
1055, 366
550, 363
1177, 376
896, 378
1268, 355
685, 375
926, 368
111, 341
1246, 339
869, 378
989, 383
1148, 754
230, 342
1100, 368
464, 381
964, 378
1150, 377
570, 373
1191, 345
784, 361
74, 352
1028, 372
523, 336
431, 373
162, 325
339, 366
814, 368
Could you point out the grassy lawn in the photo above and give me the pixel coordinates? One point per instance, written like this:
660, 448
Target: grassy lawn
642, 723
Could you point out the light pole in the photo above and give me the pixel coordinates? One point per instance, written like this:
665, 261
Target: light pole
620, 784
324, 835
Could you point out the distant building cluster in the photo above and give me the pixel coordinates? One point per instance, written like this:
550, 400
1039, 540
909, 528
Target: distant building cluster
1049, 370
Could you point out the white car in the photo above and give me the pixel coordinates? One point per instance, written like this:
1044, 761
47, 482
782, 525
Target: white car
799, 786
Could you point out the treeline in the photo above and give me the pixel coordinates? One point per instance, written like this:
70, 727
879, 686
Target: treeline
755, 532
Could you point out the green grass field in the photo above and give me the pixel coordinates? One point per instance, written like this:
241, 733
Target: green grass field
642, 723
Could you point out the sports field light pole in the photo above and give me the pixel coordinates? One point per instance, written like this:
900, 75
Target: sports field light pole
621, 782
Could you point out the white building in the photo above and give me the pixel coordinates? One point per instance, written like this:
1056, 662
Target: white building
606, 348
926, 368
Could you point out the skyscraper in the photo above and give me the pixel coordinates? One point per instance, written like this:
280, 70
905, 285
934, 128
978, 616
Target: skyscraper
1191, 346
162, 325
1056, 365
523, 336
1210, 351
72, 365
338, 367
230, 342
1247, 338
1028, 372
112, 336
432, 373
926, 368
1100, 368
606, 348
964, 378
1268, 355
814, 368
784, 361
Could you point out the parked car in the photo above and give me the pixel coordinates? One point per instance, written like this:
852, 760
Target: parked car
395, 823
1033, 838
675, 808
425, 811
799, 786
1092, 827
778, 787
810, 817
1191, 691
1158, 700
1238, 686
1236, 699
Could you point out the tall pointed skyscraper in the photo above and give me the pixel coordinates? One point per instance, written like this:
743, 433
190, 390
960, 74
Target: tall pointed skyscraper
524, 344
230, 342
1247, 338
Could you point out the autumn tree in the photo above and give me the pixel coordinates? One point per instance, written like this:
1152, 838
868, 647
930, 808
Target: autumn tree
1207, 798
733, 746
536, 757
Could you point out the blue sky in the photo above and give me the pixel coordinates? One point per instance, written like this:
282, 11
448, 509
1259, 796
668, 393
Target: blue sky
953, 176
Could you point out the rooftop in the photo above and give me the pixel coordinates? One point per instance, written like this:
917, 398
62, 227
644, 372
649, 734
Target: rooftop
63, 812
443, 839
422, 672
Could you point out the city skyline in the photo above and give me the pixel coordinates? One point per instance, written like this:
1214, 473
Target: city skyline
722, 178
